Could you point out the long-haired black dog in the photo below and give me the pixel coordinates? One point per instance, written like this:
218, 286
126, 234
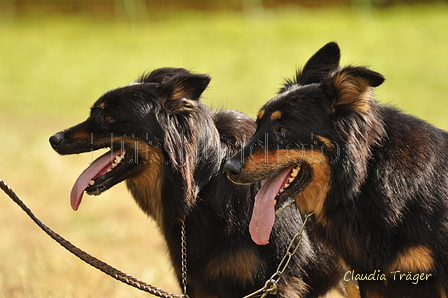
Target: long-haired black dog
170, 148
375, 178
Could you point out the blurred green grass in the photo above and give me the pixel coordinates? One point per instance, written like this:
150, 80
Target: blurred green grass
52, 68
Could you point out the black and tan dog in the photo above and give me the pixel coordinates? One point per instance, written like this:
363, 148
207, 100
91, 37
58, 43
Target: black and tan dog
375, 178
170, 149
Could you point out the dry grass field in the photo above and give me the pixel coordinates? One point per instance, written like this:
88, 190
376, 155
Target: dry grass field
52, 68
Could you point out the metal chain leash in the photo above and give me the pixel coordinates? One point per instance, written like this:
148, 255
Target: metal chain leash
94, 262
270, 287
183, 241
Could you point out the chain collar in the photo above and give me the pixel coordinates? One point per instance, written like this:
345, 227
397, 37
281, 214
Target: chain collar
270, 287
183, 249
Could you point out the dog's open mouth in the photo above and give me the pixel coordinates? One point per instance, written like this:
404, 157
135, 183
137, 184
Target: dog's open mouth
277, 193
293, 184
103, 173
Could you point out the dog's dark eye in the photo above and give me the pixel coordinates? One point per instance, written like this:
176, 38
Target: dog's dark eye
282, 129
106, 118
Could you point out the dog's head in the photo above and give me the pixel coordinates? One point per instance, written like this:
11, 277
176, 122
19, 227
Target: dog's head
296, 137
140, 123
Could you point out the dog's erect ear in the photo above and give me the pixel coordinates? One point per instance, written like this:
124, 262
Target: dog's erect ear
189, 86
318, 66
350, 88
184, 85
177, 83
183, 91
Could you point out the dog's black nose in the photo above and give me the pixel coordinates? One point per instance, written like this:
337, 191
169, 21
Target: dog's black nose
56, 139
233, 168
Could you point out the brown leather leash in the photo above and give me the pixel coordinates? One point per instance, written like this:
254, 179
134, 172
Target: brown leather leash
98, 264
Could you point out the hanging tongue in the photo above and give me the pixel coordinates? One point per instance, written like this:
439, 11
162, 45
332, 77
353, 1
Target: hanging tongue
263, 215
97, 168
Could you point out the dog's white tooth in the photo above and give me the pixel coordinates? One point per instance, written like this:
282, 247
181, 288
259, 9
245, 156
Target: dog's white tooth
286, 185
291, 180
118, 159
275, 202
294, 172
108, 170
281, 190
114, 165
91, 182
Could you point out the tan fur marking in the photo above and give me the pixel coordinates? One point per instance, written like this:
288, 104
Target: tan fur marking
178, 92
353, 91
81, 135
276, 115
345, 289
333, 293
326, 142
352, 289
102, 105
442, 293
279, 158
293, 287
146, 188
260, 114
240, 266
414, 259
312, 198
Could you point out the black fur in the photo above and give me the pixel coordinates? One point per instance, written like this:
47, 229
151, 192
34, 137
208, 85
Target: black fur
175, 150
384, 176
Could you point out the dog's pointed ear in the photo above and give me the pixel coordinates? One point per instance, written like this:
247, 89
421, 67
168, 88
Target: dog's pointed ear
188, 86
318, 66
183, 91
350, 89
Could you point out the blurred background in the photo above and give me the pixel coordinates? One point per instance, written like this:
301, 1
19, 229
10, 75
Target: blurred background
58, 56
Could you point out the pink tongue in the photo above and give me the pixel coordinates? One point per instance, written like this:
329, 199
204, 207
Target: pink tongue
96, 169
263, 215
